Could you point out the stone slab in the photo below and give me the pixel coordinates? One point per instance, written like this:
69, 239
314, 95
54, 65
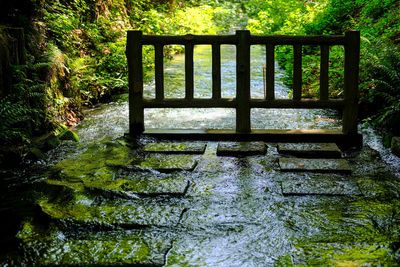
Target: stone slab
167, 163
175, 186
176, 148
128, 216
314, 165
328, 187
241, 148
134, 252
310, 150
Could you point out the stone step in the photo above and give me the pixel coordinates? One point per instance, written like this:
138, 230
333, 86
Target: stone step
310, 150
128, 216
166, 163
328, 186
314, 165
176, 148
241, 148
134, 252
175, 186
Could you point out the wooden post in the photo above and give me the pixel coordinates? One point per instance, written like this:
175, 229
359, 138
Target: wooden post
324, 73
189, 72
135, 79
297, 71
270, 73
216, 71
351, 68
159, 71
243, 82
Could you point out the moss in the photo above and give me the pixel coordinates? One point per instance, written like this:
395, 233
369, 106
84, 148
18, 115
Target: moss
94, 252
334, 254
68, 135
95, 162
167, 163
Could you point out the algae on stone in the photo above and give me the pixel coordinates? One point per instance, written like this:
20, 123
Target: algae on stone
167, 163
176, 148
82, 210
241, 148
314, 165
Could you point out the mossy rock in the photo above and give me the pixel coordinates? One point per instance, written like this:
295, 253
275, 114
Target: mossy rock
68, 135
36, 154
97, 161
395, 145
387, 139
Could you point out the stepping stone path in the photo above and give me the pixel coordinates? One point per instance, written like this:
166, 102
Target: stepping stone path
166, 163
113, 205
314, 165
127, 216
135, 252
310, 150
176, 148
241, 148
175, 186
320, 186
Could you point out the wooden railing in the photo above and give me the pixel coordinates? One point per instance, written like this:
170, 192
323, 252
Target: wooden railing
243, 101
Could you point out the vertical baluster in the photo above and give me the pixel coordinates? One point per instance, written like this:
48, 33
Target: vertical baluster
297, 71
351, 68
216, 71
159, 71
243, 82
270, 73
324, 73
135, 78
189, 83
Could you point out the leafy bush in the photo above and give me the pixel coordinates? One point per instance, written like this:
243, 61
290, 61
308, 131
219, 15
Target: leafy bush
383, 91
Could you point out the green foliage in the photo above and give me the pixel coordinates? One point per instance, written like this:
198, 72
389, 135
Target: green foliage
22, 110
383, 91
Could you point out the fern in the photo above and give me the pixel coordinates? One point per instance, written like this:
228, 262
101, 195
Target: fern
385, 91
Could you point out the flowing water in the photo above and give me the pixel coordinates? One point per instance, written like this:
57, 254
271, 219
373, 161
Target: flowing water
232, 214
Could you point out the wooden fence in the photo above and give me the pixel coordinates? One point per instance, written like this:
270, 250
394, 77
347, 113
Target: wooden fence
243, 101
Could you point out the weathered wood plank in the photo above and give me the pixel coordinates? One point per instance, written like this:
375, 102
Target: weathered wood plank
231, 39
159, 71
232, 103
297, 71
324, 73
351, 69
302, 103
189, 38
216, 71
301, 40
243, 82
135, 80
270, 77
189, 81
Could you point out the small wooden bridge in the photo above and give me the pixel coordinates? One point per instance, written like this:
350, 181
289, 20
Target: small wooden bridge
243, 101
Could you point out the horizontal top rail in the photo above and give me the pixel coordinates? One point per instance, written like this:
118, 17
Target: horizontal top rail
188, 39
254, 39
298, 39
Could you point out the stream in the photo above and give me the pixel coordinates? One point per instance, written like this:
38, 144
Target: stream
223, 219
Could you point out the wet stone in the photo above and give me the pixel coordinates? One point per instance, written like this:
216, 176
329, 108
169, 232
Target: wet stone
129, 216
166, 163
327, 186
310, 150
176, 148
175, 186
314, 165
340, 254
241, 148
104, 253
